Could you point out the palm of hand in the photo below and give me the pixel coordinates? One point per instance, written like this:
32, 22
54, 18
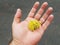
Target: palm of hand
22, 33
20, 30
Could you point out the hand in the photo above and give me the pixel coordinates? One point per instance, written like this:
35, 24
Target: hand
20, 32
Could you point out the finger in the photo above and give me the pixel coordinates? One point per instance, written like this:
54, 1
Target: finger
33, 10
46, 14
47, 22
41, 10
42, 29
17, 17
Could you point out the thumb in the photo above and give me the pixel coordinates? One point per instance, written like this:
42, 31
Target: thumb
17, 17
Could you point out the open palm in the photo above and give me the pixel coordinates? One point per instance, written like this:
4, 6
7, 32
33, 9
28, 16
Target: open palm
20, 32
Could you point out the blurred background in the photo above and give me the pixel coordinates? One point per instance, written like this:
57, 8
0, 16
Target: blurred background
7, 12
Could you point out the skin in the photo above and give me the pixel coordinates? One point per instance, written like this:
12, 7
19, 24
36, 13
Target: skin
20, 32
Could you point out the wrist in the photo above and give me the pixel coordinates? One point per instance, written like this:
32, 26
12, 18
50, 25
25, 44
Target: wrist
15, 42
12, 43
